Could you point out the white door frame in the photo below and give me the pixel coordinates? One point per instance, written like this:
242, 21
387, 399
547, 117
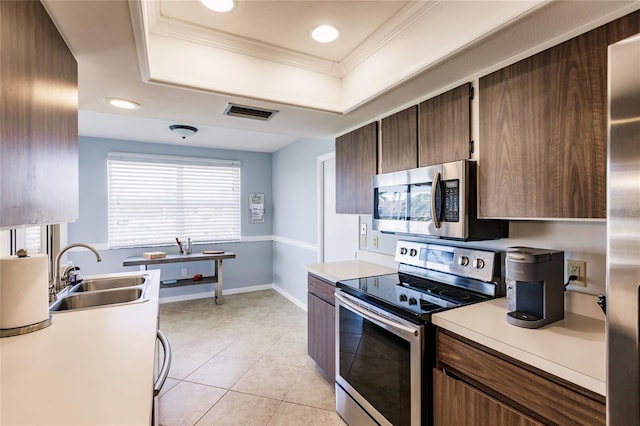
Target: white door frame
320, 194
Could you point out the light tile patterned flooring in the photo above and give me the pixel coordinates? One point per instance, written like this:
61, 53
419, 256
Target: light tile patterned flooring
243, 362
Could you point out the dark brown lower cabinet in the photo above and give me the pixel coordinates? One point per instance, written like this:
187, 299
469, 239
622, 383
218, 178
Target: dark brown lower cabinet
458, 404
321, 324
475, 385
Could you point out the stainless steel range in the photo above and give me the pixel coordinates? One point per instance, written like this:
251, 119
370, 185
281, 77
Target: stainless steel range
385, 341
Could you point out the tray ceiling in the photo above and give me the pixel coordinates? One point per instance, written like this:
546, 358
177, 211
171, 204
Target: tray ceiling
184, 64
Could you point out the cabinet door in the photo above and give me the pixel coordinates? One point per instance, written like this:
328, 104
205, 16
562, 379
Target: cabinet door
543, 124
535, 391
444, 124
38, 119
356, 164
399, 141
321, 333
457, 404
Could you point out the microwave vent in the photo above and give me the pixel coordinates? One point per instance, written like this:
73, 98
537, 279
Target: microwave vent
243, 111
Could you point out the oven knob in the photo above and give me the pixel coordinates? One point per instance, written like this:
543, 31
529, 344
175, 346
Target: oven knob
478, 263
403, 250
463, 261
413, 301
403, 297
413, 252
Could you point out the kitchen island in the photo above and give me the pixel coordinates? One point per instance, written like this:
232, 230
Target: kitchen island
90, 367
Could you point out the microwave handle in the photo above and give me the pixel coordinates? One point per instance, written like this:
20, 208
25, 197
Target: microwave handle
435, 186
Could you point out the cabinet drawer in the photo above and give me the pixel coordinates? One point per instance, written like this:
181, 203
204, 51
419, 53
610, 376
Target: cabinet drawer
321, 288
458, 404
534, 391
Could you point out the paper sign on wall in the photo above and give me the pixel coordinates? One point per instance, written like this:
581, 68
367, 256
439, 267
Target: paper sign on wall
256, 208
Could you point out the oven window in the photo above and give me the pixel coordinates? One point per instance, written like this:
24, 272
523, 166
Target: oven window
375, 362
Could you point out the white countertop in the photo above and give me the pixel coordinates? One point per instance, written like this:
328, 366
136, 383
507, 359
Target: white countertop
90, 367
346, 270
573, 349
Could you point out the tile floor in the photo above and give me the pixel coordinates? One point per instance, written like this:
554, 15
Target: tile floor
243, 362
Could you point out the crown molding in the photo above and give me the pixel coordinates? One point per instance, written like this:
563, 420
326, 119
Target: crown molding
396, 25
182, 30
165, 26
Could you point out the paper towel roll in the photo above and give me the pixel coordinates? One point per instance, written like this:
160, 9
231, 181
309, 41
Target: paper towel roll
24, 290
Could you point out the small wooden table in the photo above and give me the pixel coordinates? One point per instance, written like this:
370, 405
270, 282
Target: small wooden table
194, 257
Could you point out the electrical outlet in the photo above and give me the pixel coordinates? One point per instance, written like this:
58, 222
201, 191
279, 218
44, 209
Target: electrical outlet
363, 241
183, 272
375, 242
579, 269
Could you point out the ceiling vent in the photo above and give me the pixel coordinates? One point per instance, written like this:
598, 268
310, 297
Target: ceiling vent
243, 111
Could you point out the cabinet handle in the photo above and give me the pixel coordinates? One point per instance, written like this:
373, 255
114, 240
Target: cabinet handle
435, 188
164, 372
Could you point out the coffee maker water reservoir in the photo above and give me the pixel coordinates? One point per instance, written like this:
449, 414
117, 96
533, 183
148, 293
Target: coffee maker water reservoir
535, 287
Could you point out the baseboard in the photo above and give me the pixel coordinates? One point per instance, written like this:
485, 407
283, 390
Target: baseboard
289, 297
207, 294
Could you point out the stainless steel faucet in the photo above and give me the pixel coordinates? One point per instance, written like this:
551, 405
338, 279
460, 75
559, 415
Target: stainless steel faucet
57, 284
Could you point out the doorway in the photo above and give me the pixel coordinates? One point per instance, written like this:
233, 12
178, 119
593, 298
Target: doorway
337, 233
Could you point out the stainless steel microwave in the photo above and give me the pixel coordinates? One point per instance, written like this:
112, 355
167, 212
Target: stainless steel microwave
434, 201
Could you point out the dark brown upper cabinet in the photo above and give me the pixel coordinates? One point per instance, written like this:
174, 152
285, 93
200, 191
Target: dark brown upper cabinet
444, 127
543, 131
356, 164
399, 141
38, 119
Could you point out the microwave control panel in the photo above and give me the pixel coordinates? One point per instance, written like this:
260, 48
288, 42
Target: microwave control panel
451, 192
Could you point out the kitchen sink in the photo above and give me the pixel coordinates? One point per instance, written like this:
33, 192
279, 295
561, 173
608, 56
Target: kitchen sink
96, 284
96, 299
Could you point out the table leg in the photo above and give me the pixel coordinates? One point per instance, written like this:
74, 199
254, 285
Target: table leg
219, 283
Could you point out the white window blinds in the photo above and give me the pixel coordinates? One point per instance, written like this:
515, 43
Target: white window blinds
153, 199
33, 239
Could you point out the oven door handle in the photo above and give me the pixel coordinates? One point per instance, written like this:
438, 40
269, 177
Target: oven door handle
367, 313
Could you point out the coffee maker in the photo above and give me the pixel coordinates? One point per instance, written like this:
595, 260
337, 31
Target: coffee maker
535, 286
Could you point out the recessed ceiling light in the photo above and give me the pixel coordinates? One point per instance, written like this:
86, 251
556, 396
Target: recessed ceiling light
325, 34
220, 5
122, 103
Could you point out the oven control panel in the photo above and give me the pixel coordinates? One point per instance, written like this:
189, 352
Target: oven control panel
461, 261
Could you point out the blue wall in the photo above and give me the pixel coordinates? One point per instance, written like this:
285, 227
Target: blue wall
295, 223
254, 263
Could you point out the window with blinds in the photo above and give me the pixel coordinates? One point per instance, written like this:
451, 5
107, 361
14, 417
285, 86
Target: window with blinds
29, 238
153, 199
33, 239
